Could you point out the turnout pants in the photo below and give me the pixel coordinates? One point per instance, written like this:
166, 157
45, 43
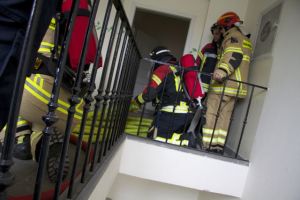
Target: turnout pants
34, 106
169, 127
221, 123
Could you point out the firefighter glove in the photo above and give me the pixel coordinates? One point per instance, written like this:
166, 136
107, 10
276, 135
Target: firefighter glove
219, 75
134, 106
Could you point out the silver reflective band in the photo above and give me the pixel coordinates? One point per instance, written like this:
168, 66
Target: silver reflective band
210, 55
161, 51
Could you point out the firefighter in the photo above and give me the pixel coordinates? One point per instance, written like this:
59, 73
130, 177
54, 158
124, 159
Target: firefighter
172, 110
234, 58
38, 87
207, 57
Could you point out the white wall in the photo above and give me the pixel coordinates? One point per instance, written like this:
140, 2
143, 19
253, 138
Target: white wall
217, 8
212, 196
274, 170
185, 169
203, 13
196, 10
105, 183
132, 188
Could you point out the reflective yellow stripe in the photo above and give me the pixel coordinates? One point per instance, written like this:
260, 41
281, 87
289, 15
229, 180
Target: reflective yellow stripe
178, 109
225, 67
182, 108
214, 140
209, 131
173, 69
53, 21
247, 44
205, 87
177, 83
200, 54
44, 50
44, 96
161, 139
238, 74
22, 122
47, 44
202, 63
174, 140
233, 49
228, 90
140, 99
176, 78
52, 28
46, 93
156, 79
246, 58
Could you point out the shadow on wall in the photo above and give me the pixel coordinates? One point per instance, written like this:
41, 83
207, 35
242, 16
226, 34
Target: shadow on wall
260, 70
155, 29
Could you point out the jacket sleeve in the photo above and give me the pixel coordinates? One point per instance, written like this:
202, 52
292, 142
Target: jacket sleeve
208, 64
151, 91
232, 55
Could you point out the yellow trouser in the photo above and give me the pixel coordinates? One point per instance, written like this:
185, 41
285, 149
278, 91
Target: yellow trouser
220, 132
36, 96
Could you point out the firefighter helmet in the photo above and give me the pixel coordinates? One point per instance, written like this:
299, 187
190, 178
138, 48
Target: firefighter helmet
159, 52
229, 19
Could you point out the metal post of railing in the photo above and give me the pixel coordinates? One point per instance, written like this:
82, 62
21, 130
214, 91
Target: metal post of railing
123, 93
232, 115
129, 96
75, 99
245, 122
26, 57
88, 100
98, 97
144, 106
51, 118
102, 84
120, 85
117, 82
108, 91
101, 153
126, 96
217, 115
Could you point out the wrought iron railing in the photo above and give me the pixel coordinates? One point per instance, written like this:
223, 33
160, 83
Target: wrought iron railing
141, 122
110, 104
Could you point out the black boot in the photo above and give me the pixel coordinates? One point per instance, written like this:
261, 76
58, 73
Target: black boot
53, 159
22, 148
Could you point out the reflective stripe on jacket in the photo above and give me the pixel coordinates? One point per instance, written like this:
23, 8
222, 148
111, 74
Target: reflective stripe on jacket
166, 87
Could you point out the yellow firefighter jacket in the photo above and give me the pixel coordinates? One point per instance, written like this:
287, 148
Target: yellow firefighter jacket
233, 58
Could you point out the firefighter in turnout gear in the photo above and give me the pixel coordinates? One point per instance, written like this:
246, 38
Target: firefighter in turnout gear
233, 63
166, 89
207, 57
38, 87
